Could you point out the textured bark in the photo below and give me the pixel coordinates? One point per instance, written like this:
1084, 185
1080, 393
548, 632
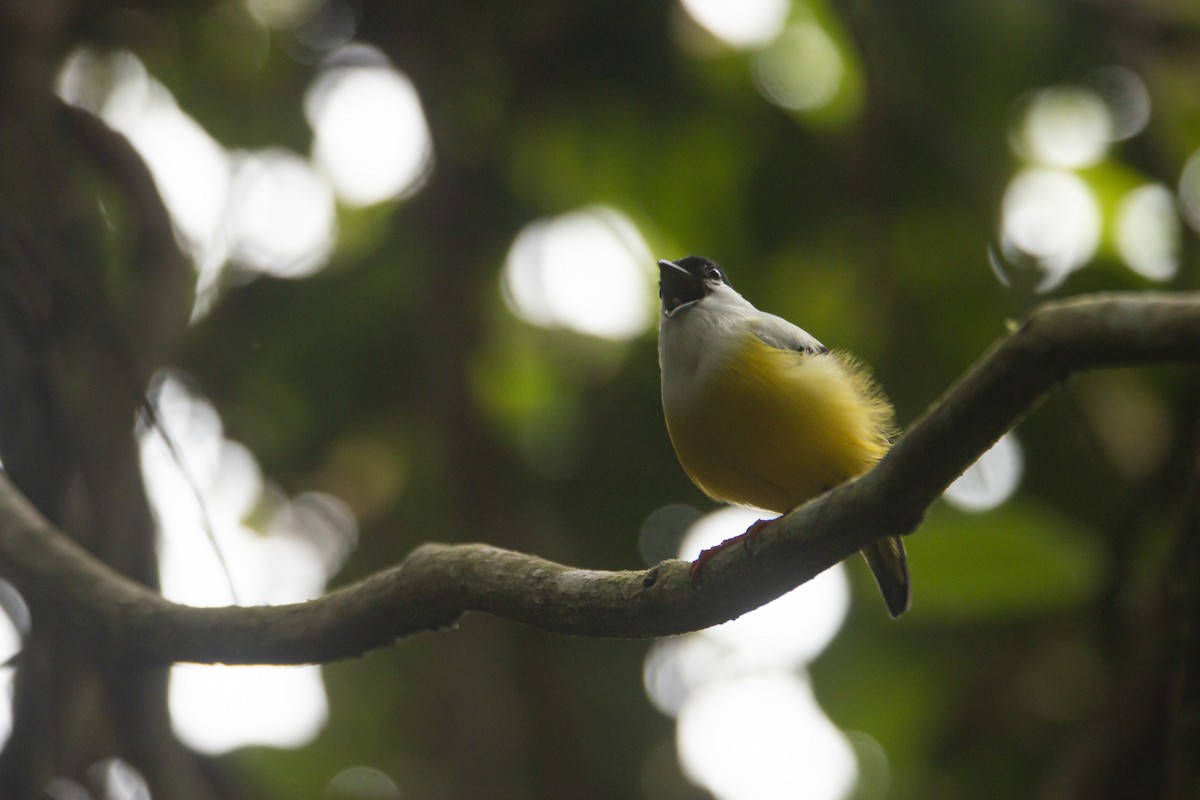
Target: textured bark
93, 293
437, 583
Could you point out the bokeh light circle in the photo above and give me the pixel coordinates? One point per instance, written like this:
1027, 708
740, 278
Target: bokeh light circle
589, 271
1052, 216
370, 133
763, 737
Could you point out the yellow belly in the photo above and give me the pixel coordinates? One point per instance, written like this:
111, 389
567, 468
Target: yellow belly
774, 428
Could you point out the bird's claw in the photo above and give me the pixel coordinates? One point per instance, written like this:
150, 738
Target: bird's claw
707, 554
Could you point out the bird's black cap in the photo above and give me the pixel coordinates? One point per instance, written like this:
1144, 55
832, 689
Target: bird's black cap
687, 281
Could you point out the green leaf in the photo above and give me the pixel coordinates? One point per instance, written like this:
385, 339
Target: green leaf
1022, 558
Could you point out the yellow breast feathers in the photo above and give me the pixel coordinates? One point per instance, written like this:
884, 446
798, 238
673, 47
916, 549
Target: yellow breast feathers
773, 428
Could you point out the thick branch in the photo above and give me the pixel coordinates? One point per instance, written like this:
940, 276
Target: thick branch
436, 584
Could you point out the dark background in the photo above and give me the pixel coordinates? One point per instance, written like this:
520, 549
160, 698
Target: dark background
1046, 651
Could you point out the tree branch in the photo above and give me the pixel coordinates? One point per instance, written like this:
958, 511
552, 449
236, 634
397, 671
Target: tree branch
438, 583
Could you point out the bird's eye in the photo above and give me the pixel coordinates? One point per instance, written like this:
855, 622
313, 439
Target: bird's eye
714, 274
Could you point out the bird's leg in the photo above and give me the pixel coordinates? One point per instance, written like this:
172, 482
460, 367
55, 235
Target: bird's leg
755, 529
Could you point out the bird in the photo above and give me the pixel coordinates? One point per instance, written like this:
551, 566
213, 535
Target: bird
763, 415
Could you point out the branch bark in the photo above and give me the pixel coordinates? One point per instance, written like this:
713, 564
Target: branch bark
438, 583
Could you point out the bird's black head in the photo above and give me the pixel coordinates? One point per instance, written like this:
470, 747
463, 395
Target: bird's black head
687, 281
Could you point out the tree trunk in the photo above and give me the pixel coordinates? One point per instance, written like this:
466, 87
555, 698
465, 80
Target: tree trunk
93, 292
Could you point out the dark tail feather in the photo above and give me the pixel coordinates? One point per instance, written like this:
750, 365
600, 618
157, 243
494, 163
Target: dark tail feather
890, 566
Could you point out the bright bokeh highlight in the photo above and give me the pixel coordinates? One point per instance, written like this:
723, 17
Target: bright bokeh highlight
120, 780
1052, 217
586, 271
1148, 232
674, 668
282, 13
287, 559
370, 133
282, 220
1189, 191
15, 623
802, 70
745, 24
1068, 127
270, 210
763, 737
7, 674
747, 723
1127, 97
787, 632
992, 479
217, 708
192, 171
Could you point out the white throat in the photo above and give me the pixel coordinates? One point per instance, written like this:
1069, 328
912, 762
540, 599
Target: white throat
694, 339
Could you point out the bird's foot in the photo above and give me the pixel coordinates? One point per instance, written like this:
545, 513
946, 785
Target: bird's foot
705, 555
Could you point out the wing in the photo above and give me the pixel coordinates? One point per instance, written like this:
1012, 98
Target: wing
779, 333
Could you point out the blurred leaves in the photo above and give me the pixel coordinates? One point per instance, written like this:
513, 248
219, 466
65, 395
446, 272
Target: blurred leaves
1016, 560
398, 380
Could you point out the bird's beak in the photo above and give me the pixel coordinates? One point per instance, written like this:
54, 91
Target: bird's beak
677, 287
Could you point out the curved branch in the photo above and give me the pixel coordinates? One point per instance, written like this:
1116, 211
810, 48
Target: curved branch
437, 583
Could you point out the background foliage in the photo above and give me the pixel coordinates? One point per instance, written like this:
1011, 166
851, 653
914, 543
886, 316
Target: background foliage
396, 378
